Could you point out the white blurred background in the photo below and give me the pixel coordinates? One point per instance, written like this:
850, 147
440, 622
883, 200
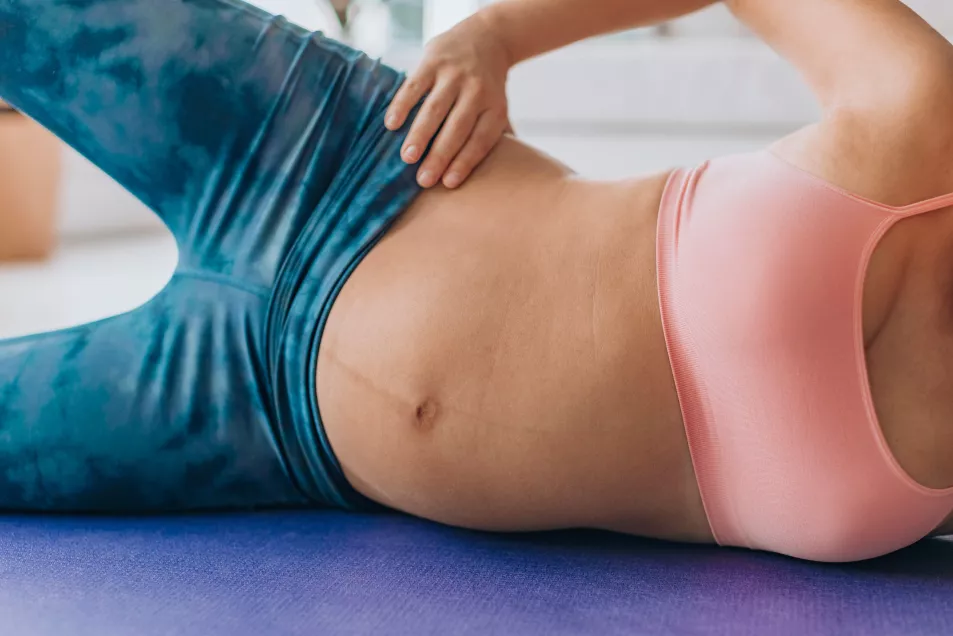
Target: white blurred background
632, 102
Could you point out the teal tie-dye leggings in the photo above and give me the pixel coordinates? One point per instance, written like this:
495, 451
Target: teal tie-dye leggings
262, 148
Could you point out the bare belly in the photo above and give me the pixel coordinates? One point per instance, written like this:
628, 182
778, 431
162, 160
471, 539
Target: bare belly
498, 361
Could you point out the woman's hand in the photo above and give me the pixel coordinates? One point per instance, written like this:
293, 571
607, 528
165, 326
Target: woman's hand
464, 71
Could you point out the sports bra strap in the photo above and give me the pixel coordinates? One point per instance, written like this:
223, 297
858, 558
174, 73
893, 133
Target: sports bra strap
930, 205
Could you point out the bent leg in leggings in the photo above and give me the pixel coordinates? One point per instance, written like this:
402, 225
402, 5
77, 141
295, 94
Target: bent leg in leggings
263, 150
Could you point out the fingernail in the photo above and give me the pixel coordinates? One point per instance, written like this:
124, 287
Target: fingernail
425, 179
391, 121
452, 180
410, 154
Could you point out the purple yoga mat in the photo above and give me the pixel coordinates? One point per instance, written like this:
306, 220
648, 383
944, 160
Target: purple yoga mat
329, 573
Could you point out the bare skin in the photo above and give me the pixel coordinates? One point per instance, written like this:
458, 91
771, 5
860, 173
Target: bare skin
492, 379
497, 362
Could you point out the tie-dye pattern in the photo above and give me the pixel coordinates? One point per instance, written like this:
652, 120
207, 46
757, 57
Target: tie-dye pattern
262, 148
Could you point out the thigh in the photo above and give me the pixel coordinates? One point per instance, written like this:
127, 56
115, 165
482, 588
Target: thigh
163, 408
230, 123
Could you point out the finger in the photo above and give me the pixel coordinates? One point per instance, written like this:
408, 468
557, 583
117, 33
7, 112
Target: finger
450, 141
486, 135
409, 95
428, 120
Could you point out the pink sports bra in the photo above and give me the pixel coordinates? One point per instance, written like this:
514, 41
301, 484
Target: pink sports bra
761, 274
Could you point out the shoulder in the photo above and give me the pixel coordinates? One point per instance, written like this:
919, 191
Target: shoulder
893, 143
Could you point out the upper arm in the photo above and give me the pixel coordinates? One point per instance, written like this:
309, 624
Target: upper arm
884, 79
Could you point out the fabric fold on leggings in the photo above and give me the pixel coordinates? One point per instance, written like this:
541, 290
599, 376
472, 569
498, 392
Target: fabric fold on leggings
262, 148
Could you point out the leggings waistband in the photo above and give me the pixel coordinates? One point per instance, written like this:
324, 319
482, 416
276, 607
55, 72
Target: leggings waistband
374, 186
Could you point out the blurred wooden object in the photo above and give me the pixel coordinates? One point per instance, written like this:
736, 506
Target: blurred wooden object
29, 181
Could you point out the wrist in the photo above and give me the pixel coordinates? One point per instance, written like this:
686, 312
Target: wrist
492, 21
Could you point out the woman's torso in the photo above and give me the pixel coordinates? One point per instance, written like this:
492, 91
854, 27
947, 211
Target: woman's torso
498, 360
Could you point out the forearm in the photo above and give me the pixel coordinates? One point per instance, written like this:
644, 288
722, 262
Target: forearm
532, 27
